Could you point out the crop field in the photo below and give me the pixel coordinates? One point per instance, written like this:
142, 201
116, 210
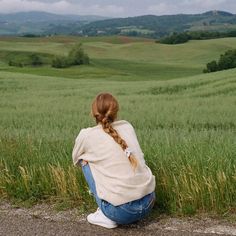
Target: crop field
185, 120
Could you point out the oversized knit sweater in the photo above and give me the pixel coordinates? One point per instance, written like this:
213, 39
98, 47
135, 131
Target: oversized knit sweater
115, 180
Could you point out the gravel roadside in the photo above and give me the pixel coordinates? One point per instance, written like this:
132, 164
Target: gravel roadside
43, 220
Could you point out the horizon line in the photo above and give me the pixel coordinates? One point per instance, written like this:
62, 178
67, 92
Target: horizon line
68, 14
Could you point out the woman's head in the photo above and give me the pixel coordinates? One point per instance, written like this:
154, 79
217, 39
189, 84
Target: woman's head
105, 108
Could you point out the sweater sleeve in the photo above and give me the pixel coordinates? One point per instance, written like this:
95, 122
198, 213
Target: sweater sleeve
79, 147
136, 143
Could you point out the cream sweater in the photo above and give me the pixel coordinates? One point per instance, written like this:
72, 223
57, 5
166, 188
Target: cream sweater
115, 180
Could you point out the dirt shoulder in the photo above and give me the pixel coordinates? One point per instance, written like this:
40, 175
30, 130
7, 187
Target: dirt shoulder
43, 220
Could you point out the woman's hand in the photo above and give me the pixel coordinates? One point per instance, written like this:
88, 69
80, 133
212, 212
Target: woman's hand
83, 163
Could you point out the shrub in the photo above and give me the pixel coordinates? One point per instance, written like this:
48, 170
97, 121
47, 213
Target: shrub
15, 63
77, 56
25, 59
211, 67
60, 62
35, 60
226, 61
176, 38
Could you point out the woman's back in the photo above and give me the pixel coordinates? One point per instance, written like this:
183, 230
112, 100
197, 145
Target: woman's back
114, 167
117, 181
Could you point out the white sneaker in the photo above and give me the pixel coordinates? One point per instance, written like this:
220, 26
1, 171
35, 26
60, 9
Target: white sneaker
98, 218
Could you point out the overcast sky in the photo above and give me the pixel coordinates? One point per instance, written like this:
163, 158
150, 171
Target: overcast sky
117, 8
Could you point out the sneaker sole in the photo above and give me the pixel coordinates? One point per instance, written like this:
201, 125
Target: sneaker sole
103, 225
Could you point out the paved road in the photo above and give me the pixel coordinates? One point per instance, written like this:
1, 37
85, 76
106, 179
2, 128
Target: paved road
44, 221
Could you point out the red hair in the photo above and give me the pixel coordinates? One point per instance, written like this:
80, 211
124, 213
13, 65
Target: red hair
104, 109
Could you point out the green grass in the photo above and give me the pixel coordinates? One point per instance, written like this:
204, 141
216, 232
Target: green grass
112, 70
115, 56
186, 126
124, 47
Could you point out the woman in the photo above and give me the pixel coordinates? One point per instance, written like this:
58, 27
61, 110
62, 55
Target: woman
114, 167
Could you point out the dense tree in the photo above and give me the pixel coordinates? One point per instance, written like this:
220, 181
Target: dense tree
226, 61
176, 38
60, 62
26, 59
35, 60
211, 67
76, 56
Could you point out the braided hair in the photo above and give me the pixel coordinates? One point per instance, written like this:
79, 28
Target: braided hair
104, 110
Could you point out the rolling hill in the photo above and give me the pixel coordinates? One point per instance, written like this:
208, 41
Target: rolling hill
185, 120
153, 26
157, 26
36, 22
38, 16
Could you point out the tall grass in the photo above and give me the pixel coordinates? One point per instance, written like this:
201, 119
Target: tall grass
186, 128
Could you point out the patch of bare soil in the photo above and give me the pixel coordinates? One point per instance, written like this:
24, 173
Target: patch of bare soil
44, 220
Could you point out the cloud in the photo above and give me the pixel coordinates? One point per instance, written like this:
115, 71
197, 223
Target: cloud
190, 6
162, 8
117, 8
63, 7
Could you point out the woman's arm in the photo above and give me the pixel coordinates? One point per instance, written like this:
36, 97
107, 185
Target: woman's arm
79, 148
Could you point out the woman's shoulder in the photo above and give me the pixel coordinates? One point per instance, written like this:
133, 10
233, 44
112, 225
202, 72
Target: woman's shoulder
122, 124
116, 124
83, 133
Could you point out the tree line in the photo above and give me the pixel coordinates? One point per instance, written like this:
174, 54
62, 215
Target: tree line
226, 61
76, 56
177, 38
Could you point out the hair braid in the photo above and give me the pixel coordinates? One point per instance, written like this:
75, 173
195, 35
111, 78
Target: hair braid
104, 110
107, 127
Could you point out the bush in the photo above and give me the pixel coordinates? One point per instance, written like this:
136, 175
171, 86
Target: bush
176, 38
29, 59
211, 67
60, 62
31, 35
226, 61
76, 56
35, 60
15, 63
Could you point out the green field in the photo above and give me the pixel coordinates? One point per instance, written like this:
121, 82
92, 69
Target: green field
185, 120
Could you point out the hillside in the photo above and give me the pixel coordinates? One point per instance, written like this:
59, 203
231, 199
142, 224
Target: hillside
149, 25
38, 16
157, 26
117, 58
184, 119
36, 22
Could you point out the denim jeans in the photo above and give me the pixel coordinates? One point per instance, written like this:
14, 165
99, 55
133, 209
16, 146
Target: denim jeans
123, 214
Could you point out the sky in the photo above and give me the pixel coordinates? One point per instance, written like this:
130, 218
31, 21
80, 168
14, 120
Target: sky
118, 8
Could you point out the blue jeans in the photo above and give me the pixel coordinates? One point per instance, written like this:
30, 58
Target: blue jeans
123, 214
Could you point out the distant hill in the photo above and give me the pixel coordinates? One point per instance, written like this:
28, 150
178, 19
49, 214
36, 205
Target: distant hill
36, 22
38, 16
163, 25
148, 26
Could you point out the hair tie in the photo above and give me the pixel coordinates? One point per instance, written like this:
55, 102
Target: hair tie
104, 120
128, 152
